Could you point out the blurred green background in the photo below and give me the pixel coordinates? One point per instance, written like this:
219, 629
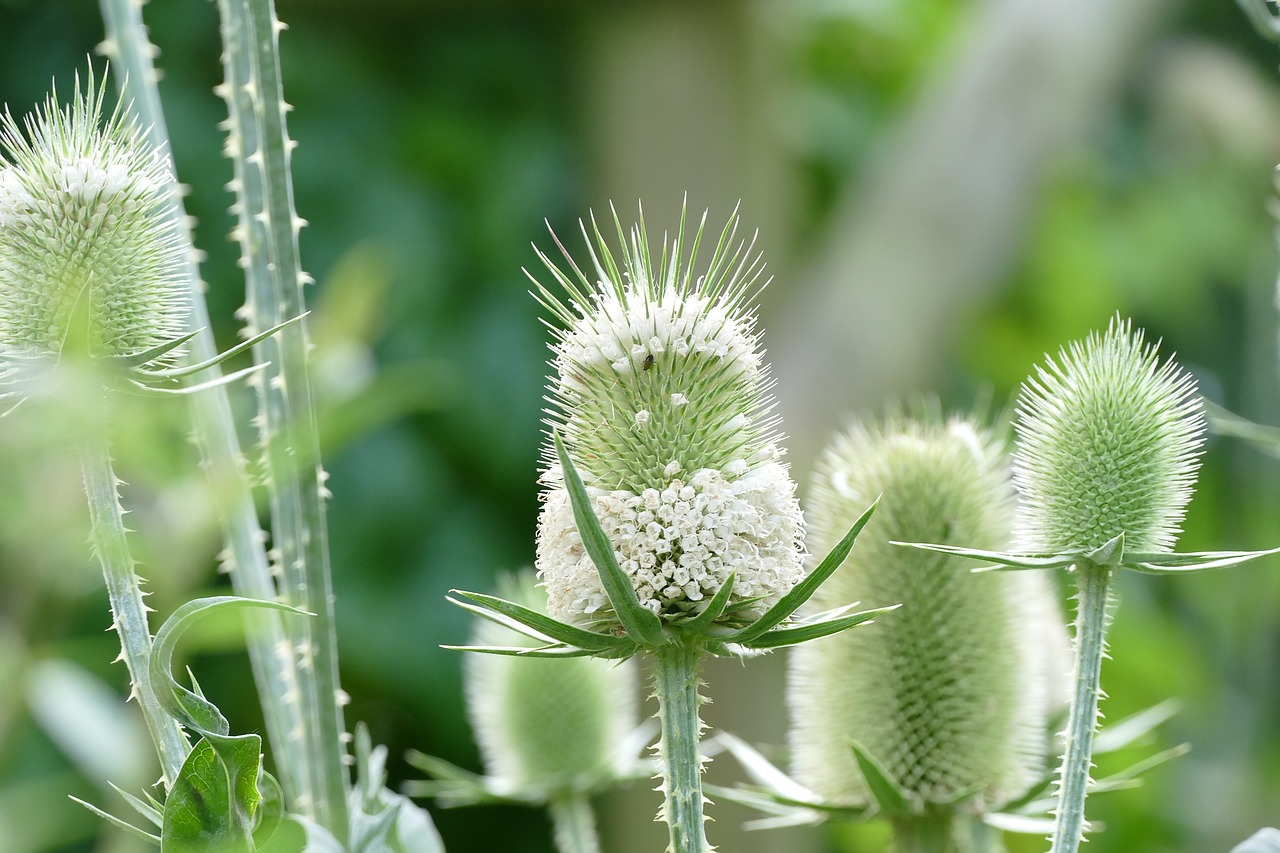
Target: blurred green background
945, 191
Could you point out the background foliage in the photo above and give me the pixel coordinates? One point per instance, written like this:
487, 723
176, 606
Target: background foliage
1017, 209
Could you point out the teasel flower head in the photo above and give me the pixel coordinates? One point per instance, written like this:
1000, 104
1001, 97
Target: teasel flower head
952, 695
661, 397
1108, 443
546, 726
90, 264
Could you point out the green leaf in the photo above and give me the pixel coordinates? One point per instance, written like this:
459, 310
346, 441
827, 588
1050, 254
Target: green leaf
641, 624
118, 823
212, 803
140, 358
892, 799
1110, 553
801, 592
186, 706
556, 650
189, 369
806, 631
1001, 559
551, 630
1128, 777
1158, 564
383, 821
1127, 731
763, 772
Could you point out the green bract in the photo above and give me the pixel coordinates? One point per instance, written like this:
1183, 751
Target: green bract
952, 695
1108, 443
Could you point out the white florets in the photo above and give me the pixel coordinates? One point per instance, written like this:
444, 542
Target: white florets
621, 334
678, 544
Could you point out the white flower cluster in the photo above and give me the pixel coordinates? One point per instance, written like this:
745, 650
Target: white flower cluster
678, 544
623, 332
16, 201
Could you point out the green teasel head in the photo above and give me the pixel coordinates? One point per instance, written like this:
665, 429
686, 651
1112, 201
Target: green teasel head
661, 396
549, 726
1108, 442
90, 263
952, 694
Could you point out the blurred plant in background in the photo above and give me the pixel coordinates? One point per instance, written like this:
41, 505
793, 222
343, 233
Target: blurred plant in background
435, 138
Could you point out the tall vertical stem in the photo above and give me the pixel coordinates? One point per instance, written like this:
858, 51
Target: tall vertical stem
1094, 584
268, 232
931, 832
129, 613
270, 654
676, 685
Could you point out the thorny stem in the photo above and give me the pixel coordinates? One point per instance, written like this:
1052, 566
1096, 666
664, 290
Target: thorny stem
128, 47
573, 823
129, 613
1094, 582
676, 685
267, 229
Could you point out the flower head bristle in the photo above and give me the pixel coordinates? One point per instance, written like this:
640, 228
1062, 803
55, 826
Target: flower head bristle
661, 397
1108, 442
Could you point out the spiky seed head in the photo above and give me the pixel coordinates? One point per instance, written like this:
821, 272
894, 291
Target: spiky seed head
661, 396
89, 262
547, 726
1108, 442
951, 694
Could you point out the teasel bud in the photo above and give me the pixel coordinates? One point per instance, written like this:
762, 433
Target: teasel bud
951, 696
661, 398
546, 727
89, 261
1108, 443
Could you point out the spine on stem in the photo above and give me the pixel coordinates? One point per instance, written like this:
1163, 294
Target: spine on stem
128, 47
1073, 778
676, 686
268, 230
129, 613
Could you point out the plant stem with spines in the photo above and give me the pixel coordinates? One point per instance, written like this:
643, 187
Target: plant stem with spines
676, 686
1094, 583
129, 613
130, 50
268, 231
931, 832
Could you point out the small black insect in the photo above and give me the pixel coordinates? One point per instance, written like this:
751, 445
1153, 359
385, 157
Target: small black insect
648, 362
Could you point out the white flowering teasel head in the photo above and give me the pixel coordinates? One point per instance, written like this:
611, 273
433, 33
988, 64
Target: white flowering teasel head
660, 395
90, 264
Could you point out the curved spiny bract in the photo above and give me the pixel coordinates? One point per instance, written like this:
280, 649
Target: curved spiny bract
950, 694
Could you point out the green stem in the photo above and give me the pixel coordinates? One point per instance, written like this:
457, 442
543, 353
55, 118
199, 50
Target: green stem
129, 613
574, 824
274, 671
1094, 584
676, 686
268, 233
931, 832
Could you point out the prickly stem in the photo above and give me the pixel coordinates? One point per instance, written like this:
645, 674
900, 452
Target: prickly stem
573, 824
127, 46
1091, 624
676, 686
268, 230
129, 613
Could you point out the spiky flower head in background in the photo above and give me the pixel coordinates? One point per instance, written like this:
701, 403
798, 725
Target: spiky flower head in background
89, 258
951, 696
661, 398
1108, 442
544, 726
